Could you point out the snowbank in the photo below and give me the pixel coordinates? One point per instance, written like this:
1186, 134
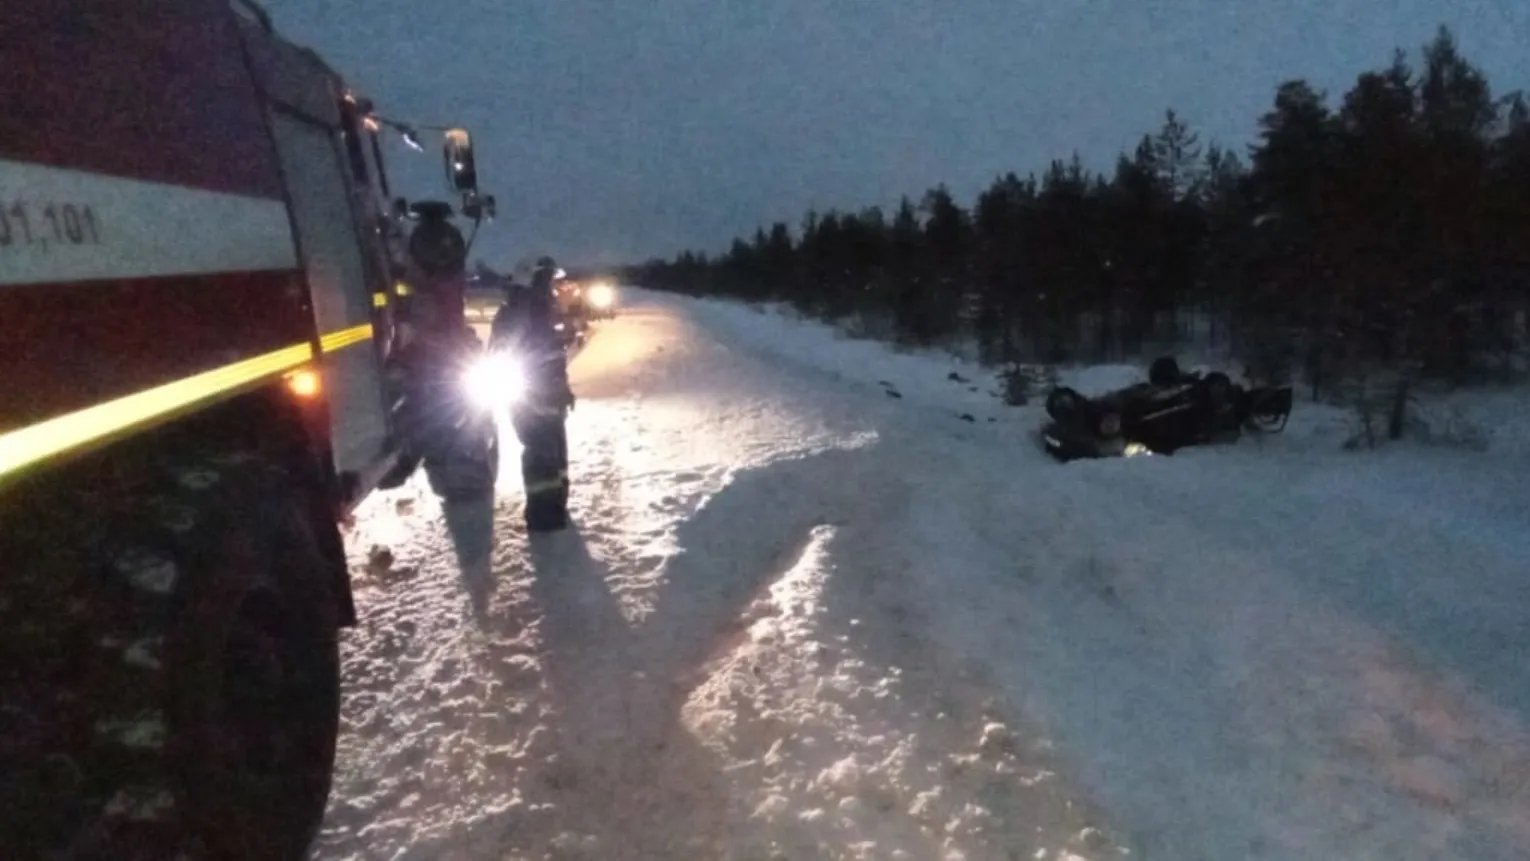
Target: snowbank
922, 378
1495, 418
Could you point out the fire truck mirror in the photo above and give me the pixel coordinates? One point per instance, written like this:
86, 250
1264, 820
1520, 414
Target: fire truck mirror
461, 171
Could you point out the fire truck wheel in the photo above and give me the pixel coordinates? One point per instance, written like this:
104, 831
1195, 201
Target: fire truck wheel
255, 695
209, 715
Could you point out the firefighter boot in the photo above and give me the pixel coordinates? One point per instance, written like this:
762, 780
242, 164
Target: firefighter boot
544, 472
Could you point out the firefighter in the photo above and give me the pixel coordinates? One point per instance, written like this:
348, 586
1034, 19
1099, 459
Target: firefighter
525, 327
433, 334
437, 274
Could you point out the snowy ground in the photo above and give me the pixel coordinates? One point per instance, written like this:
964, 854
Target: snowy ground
804, 618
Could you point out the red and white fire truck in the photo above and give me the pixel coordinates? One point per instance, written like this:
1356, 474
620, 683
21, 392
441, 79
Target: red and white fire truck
196, 305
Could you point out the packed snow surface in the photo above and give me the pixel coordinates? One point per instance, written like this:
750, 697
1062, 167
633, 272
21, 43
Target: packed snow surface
829, 601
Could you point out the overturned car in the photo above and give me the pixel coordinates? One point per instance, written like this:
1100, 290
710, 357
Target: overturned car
1171, 410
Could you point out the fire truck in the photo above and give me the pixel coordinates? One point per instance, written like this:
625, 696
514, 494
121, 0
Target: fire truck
197, 304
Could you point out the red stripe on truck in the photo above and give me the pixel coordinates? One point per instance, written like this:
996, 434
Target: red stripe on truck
65, 347
154, 91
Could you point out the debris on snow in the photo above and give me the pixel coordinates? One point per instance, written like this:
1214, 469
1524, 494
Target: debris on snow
379, 560
996, 740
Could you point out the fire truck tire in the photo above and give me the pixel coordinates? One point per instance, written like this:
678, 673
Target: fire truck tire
206, 693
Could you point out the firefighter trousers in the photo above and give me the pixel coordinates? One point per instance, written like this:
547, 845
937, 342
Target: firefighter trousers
544, 466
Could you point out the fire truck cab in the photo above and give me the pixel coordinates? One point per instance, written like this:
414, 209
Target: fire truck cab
196, 305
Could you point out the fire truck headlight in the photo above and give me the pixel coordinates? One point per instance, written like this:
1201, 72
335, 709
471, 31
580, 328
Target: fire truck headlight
601, 296
494, 380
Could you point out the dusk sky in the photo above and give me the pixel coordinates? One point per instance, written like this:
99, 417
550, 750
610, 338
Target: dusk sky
615, 131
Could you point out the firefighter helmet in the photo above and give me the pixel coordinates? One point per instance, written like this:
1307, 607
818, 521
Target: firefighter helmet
435, 244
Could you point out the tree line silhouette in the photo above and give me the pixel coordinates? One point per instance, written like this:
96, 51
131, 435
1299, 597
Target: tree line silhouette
1389, 229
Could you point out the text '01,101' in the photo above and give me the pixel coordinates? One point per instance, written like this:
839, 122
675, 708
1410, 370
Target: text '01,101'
47, 224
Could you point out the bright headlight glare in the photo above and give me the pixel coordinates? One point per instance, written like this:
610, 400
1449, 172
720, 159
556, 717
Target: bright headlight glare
601, 295
493, 380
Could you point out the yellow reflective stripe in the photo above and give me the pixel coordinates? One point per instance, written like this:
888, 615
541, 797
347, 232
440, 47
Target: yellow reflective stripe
36, 443
345, 337
542, 410
545, 485
379, 300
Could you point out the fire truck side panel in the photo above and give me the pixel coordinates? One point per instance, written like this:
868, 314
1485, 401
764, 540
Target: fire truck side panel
305, 99
147, 263
65, 347
372, 222
155, 92
291, 76
342, 299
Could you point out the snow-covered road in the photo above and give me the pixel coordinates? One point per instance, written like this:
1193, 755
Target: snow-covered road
802, 618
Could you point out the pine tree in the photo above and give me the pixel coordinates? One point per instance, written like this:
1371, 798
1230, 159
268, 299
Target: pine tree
1177, 156
1454, 97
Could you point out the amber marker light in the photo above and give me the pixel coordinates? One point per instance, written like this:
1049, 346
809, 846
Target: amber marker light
305, 383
